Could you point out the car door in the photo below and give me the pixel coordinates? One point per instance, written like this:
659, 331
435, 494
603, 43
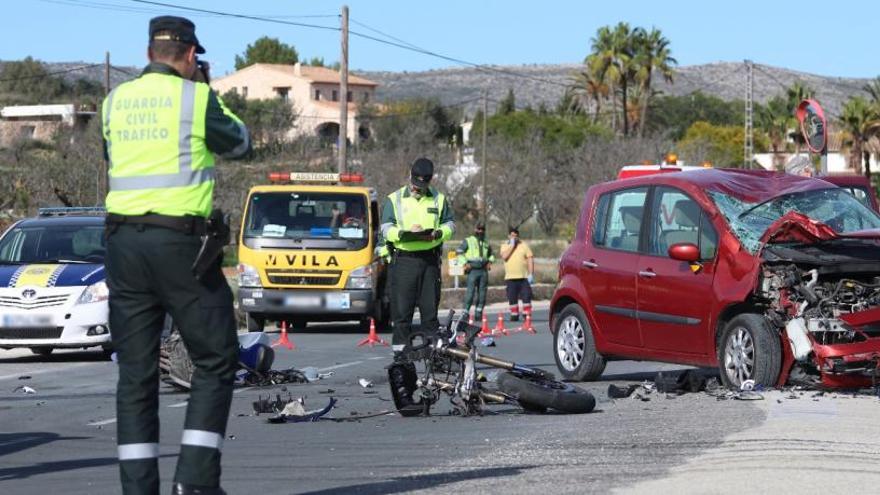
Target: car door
610, 261
674, 297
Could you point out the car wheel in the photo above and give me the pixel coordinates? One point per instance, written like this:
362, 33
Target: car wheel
42, 351
107, 351
298, 323
749, 349
574, 347
255, 323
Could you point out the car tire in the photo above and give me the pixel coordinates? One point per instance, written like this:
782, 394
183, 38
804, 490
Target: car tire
749, 349
42, 351
574, 347
298, 323
107, 351
255, 323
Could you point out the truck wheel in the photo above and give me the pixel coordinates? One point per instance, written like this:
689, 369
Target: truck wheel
749, 349
255, 323
574, 347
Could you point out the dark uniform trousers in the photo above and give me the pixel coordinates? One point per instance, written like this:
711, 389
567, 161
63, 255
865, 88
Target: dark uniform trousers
149, 274
415, 281
477, 285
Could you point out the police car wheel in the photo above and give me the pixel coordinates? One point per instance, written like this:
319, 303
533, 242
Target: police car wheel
42, 351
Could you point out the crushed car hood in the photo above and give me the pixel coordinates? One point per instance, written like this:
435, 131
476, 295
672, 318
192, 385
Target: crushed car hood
797, 227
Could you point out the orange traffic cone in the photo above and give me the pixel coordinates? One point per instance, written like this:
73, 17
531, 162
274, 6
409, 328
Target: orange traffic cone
484, 330
499, 326
283, 340
527, 325
372, 338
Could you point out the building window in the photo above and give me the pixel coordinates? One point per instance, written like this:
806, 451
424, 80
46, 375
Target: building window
335, 95
244, 91
366, 97
283, 93
348, 96
318, 95
27, 131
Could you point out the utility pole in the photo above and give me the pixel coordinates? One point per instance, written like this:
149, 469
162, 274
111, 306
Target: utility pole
343, 97
483, 164
749, 150
100, 183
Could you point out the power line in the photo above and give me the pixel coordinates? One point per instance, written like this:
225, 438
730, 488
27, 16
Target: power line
397, 44
239, 16
49, 74
144, 10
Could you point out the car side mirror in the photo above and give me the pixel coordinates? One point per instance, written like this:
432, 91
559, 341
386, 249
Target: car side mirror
684, 251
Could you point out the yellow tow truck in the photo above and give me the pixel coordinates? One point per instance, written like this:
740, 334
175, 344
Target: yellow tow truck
307, 252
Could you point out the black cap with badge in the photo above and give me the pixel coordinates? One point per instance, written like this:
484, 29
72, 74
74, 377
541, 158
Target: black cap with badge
173, 28
421, 172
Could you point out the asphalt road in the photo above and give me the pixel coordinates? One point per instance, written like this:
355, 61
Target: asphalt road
62, 439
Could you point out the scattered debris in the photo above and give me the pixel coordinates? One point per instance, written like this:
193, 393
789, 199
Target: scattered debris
365, 383
267, 405
41, 403
487, 342
615, 392
273, 377
294, 412
24, 389
687, 381
231, 437
328, 391
24, 377
313, 374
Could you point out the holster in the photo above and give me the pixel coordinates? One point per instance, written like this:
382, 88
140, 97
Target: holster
217, 235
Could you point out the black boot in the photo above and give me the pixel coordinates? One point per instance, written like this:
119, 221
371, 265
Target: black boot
402, 380
183, 489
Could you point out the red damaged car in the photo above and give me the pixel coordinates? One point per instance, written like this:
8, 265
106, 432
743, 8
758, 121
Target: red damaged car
768, 276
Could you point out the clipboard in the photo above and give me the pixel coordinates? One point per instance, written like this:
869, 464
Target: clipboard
424, 235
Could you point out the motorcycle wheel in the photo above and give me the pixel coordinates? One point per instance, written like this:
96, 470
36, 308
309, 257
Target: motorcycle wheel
536, 393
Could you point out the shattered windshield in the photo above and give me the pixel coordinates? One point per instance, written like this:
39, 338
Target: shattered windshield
835, 207
308, 220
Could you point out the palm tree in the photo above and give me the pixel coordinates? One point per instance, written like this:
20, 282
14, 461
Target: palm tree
590, 89
775, 119
873, 89
613, 57
861, 120
652, 55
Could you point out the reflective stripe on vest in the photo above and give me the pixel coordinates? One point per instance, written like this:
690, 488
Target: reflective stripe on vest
154, 127
475, 251
185, 175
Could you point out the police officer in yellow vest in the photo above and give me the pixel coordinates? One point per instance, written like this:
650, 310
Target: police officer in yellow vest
160, 131
476, 254
416, 219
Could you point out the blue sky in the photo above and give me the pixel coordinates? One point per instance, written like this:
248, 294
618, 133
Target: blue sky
827, 38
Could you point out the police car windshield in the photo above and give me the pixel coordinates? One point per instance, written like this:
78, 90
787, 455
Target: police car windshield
308, 220
55, 244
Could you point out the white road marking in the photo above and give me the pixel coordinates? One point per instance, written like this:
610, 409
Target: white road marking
180, 404
102, 422
239, 390
343, 365
42, 372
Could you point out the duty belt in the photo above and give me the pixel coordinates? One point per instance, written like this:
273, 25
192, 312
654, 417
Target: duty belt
187, 224
428, 253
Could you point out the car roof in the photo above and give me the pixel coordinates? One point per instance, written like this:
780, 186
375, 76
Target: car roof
58, 221
746, 185
846, 179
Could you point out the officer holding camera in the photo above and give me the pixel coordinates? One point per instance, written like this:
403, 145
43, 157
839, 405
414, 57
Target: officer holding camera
164, 250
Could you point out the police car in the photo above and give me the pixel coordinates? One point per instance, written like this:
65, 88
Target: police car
53, 292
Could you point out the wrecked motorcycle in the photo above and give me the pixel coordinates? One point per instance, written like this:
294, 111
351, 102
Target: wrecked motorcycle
446, 363
176, 367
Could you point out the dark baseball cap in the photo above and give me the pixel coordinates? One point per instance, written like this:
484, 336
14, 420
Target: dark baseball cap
173, 28
421, 172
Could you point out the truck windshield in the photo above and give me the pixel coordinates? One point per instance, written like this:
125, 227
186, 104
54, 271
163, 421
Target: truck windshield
307, 220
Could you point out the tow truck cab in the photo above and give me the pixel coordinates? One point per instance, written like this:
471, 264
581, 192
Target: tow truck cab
307, 251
